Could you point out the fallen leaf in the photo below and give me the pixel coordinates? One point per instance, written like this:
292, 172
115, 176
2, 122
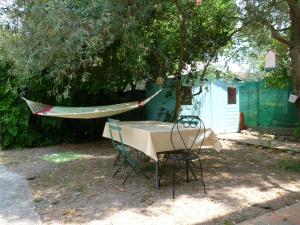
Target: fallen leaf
120, 189
279, 193
71, 213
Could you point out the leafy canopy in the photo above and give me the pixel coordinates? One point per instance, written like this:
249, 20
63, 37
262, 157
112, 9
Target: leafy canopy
109, 44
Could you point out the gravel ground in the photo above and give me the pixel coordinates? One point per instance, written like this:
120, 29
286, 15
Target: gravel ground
242, 182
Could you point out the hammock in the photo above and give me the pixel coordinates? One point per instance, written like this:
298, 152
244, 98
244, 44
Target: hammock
85, 112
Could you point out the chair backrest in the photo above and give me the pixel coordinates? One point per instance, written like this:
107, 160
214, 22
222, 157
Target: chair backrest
114, 127
188, 122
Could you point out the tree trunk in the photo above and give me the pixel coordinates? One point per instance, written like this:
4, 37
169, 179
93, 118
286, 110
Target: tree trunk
181, 63
295, 56
295, 50
178, 100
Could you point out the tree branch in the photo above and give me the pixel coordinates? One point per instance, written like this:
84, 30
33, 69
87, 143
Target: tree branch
203, 75
283, 29
162, 66
275, 34
181, 18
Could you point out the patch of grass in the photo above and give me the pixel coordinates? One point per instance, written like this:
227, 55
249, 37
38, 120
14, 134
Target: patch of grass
291, 165
79, 189
227, 222
61, 157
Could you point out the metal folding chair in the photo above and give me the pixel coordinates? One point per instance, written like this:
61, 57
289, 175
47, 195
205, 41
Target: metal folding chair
187, 154
123, 151
118, 145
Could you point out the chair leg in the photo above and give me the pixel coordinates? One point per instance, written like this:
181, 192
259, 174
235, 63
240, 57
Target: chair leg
117, 170
124, 181
161, 171
141, 172
117, 159
173, 191
202, 175
157, 179
187, 170
191, 169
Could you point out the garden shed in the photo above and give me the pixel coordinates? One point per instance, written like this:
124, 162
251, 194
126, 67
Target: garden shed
217, 105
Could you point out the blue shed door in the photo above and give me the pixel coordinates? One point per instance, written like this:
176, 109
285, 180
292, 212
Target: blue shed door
225, 107
232, 110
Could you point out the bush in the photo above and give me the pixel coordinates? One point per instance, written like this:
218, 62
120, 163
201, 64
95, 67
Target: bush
15, 130
19, 128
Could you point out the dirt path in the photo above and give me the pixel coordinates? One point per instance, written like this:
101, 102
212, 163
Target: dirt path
263, 141
16, 204
243, 182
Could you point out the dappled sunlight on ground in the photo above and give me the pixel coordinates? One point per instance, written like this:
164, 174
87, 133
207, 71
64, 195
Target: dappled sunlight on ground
164, 212
242, 182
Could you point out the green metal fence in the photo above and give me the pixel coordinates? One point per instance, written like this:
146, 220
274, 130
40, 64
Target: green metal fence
268, 107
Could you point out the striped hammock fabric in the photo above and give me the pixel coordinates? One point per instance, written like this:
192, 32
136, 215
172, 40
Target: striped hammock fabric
85, 112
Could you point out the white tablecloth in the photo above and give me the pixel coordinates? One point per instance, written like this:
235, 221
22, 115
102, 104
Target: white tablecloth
152, 137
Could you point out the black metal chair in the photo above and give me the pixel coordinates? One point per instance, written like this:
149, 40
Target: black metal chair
190, 152
123, 152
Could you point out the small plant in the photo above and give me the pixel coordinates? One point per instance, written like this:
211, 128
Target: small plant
269, 144
79, 189
291, 165
227, 222
297, 130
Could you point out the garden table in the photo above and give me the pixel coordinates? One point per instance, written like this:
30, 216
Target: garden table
153, 138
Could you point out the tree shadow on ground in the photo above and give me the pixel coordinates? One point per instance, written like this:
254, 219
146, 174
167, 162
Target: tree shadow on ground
242, 181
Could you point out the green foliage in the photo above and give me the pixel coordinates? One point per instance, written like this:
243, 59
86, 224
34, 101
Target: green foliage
255, 38
165, 113
18, 127
73, 40
297, 130
85, 52
291, 165
207, 30
14, 117
227, 222
112, 43
280, 76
